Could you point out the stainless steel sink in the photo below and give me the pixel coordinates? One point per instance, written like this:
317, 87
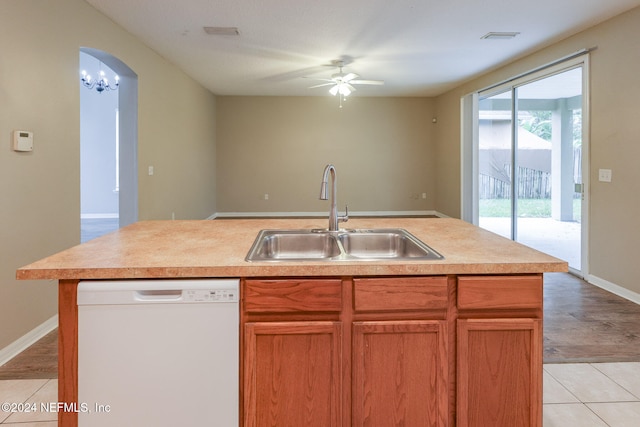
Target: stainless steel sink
288, 245
343, 245
385, 244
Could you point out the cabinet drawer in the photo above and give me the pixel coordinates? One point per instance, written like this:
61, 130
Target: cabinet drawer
282, 296
400, 293
500, 292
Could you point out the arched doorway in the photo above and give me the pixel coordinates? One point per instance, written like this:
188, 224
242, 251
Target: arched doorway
108, 145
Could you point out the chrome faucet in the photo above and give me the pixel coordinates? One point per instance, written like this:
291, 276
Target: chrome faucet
334, 218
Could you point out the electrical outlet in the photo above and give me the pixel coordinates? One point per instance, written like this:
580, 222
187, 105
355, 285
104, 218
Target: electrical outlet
424, 195
266, 196
150, 170
604, 175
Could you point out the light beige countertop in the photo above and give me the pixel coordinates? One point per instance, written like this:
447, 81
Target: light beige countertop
217, 248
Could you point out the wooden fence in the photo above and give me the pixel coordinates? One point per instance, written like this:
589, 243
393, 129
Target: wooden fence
532, 184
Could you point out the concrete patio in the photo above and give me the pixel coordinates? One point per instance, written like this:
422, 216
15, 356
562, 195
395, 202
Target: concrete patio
557, 238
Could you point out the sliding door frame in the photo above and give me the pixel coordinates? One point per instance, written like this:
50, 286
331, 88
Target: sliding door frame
470, 143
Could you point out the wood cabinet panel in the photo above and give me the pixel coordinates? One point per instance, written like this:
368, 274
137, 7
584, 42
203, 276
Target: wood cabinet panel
292, 374
500, 292
499, 373
400, 293
284, 296
68, 350
400, 374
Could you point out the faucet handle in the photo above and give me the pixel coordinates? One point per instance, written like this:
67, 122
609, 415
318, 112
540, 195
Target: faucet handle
345, 217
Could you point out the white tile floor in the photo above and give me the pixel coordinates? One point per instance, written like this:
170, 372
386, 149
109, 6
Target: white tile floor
29, 394
592, 395
575, 395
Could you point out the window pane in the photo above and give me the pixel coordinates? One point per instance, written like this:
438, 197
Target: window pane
494, 163
548, 165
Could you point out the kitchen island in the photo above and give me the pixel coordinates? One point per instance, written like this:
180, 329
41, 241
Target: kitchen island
448, 342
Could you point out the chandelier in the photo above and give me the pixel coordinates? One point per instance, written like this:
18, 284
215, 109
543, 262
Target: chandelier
100, 84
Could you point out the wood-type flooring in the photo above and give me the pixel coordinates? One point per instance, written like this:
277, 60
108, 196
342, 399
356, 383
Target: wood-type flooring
584, 323
39, 361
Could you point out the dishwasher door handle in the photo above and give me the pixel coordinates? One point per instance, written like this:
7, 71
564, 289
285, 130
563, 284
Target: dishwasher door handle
159, 295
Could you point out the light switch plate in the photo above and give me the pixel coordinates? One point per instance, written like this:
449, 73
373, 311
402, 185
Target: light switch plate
604, 175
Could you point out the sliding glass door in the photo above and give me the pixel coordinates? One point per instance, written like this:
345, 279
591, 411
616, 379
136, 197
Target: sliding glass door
530, 163
495, 160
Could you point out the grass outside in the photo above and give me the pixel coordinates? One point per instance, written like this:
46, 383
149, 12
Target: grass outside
527, 208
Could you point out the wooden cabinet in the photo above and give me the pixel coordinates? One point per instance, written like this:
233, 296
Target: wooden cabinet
399, 352
292, 353
292, 374
400, 294
351, 352
400, 373
499, 336
392, 351
499, 373
292, 296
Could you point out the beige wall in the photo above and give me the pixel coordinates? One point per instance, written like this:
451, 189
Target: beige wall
39, 191
382, 149
615, 131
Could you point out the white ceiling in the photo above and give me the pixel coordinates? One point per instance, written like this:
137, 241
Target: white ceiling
418, 47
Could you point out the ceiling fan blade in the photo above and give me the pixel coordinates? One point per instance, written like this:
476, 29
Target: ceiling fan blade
367, 82
334, 90
347, 78
321, 84
317, 79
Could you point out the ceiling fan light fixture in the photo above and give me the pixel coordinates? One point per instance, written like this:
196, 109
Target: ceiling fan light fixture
341, 83
342, 89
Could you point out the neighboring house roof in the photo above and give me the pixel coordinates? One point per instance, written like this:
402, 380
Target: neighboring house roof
496, 136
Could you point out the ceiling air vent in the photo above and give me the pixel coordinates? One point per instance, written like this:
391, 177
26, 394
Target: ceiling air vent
495, 35
221, 31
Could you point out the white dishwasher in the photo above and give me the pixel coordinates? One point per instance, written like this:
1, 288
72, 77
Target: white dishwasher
158, 353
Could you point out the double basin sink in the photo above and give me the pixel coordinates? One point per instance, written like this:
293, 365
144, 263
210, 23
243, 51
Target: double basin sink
343, 245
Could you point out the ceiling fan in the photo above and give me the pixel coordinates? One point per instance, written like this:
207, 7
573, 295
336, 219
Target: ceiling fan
342, 84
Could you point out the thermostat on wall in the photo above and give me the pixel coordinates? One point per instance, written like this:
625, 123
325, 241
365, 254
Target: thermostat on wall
22, 140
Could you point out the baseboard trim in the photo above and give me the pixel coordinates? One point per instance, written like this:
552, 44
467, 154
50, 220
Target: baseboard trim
613, 288
99, 216
440, 214
321, 214
31, 337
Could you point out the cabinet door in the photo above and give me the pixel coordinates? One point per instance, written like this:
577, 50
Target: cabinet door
400, 373
293, 374
499, 373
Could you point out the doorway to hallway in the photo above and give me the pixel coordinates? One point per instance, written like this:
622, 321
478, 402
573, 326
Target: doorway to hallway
108, 147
